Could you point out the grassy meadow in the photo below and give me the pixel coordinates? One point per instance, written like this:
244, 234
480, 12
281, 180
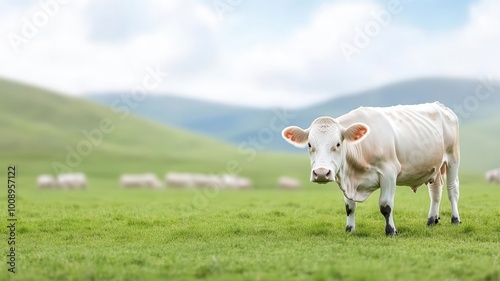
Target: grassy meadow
105, 233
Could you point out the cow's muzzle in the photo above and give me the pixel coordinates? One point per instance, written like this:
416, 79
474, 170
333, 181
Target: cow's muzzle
322, 175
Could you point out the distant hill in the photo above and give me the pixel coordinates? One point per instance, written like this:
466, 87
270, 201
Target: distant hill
51, 121
42, 130
240, 125
221, 121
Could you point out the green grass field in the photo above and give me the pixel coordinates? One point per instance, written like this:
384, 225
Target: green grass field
105, 233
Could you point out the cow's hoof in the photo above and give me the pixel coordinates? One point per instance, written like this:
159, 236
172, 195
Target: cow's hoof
389, 231
349, 228
391, 234
433, 220
455, 220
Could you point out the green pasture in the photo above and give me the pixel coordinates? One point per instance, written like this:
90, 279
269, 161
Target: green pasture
105, 233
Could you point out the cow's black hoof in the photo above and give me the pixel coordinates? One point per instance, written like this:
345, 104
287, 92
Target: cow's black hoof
432, 220
455, 220
389, 231
391, 234
348, 228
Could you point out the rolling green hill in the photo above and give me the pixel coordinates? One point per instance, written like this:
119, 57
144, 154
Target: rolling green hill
43, 132
226, 122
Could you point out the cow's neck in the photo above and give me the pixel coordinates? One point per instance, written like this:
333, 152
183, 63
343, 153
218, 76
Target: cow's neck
353, 158
352, 163
353, 176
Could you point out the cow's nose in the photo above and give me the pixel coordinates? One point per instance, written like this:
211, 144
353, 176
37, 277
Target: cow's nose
322, 175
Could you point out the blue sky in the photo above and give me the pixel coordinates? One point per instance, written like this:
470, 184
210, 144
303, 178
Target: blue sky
430, 15
259, 53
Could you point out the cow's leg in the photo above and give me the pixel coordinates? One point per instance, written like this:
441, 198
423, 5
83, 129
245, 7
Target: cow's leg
386, 202
350, 208
452, 184
435, 187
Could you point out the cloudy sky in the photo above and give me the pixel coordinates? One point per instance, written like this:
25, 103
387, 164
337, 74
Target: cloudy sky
252, 52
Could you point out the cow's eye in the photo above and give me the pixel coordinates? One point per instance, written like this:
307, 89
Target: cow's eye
309, 144
338, 144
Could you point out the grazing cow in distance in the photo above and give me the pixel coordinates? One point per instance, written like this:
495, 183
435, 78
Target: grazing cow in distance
224, 181
493, 176
235, 182
202, 180
140, 181
153, 181
370, 148
131, 181
244, 183
288, 183
72, 181
46, 182
179, 179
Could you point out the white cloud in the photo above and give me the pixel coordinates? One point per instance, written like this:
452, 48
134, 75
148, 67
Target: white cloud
63, 55
188, 40
306, 66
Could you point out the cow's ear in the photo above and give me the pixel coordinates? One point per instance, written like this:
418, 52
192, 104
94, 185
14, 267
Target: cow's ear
296, 136
356, 132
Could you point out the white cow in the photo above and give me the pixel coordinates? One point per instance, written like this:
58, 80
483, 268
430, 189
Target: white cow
140, 181
81, 179
493, 176
72, 181
153, 181
244, 183
288, 183
204, 180
207, 181
46, 181
371, 148
179, 179
234, 182
131, 181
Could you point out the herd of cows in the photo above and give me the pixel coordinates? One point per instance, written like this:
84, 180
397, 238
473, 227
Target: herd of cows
171, 180
183, 180
63, 181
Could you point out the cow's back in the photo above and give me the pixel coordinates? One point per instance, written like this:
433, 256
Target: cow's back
412, 138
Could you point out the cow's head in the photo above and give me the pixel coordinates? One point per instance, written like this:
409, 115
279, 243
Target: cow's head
325, 138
